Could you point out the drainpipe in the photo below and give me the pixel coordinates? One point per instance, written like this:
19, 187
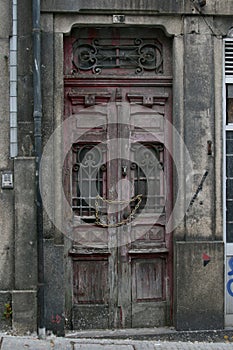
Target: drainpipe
13, 83
37, 115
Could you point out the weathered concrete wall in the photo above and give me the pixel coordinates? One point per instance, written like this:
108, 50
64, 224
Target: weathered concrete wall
47, 83
25, 225
218, 143
197, 99
224, 7
24, 317
47, 74
24, 298
199, 285
195, 110
199, 119
158, 6
6, 310
6, 195
54, 287
25, 79
199, 288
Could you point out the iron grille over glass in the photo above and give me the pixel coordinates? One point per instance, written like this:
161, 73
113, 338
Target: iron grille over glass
89, 178
148, 176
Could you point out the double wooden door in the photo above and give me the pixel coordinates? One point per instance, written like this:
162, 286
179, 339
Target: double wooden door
120, 192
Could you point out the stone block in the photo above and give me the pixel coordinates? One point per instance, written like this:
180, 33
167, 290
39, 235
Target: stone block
24, 18
220, 7
5, 103
24, 316
48, 226
222, 25
158, 6
5, 311
25, 94
25, 224
23, 343
90, 317
199, 280
25, 55
54, 287
6, 239
4, 136
158, 317
4, 63
47, 127
102, 346
47, 71
199, 128
212, 7
46, 22
25, 139
5, 18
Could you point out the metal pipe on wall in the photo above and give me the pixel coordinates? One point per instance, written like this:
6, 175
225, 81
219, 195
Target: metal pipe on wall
37, 115
13, 83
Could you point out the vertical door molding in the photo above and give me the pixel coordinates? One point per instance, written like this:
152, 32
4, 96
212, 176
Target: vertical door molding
178, 122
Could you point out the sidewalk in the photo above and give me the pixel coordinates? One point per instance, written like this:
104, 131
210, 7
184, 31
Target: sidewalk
53, 343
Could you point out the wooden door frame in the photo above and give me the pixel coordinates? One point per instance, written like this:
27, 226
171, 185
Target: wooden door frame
59, 92
160, 82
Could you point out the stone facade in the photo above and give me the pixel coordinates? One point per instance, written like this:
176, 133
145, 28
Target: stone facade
197, 33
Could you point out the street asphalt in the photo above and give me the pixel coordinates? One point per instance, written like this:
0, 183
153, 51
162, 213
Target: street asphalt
58, 343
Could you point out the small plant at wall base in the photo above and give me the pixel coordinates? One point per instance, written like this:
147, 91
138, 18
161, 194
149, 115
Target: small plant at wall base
8, 311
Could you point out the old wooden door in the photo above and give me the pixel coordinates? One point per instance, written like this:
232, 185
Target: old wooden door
118, 91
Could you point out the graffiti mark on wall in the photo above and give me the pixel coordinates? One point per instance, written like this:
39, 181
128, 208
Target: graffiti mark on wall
230, 273
206, 259
198, 190
56, 319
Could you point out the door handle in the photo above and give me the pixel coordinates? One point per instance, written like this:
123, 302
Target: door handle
124, 170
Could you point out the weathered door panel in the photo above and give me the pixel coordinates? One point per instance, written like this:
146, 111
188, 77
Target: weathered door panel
91, 292
143, 260
121, 253
149, 306
94, 260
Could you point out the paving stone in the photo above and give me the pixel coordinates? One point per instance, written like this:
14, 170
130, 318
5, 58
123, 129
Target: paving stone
61, 344
191, 346
146, 346
102, 347
30, 343
24, 344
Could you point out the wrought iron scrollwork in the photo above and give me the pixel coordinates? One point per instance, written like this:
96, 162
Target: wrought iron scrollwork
140, 56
